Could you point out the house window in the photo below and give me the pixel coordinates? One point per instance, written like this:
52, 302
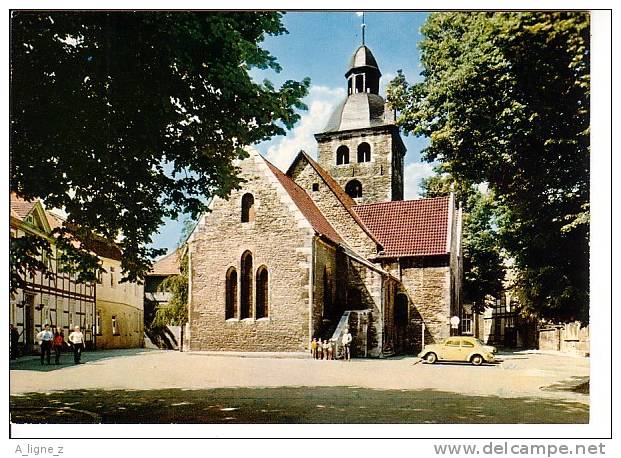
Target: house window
247, 208
401, 309
262, 293
115, 326
112, 283
354, 188
98, 323
364, 152
315, 187
342, 155
246, 285
466, 323
231, 294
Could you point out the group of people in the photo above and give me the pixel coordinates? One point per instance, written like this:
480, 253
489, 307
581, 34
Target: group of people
327, 349
49, 341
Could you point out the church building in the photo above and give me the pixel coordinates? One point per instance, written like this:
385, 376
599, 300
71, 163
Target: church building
328, 244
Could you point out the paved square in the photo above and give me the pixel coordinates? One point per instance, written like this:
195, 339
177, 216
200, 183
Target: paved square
150, 386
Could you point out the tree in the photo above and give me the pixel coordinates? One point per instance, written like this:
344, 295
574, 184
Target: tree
124, 118
176, 312
505, 100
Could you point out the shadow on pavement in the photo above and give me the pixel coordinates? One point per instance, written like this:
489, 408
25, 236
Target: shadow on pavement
335, 404
33, 363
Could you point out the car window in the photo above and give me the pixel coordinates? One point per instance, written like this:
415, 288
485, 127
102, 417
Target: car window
467, 343
452, 343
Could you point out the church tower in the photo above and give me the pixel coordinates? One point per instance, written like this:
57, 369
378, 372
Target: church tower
360, 146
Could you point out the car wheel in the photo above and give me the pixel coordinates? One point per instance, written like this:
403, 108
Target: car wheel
431, 358
477, 360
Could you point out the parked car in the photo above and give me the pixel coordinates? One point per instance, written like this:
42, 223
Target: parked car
458, 349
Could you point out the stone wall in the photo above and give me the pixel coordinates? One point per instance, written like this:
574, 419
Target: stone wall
278, 238
377, 175
427, 284
342, 221
570, 338
325, 313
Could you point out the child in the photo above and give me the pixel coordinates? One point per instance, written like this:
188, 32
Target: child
59, 341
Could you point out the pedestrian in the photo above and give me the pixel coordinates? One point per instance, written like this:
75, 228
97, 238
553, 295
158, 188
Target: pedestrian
330, 349
45, 338
77, 342
319, 349
346, 340
14, 340
59, 341
314, 347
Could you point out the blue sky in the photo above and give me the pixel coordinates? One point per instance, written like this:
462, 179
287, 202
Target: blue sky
319, 45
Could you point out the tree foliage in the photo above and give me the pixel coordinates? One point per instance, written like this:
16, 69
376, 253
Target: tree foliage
505, 100
125, 118
176, 312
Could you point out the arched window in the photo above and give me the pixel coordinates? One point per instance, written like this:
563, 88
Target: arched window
364, 152
247, 213
262, 293
354, 188
231, 293
246, 285
342, 155
401, 309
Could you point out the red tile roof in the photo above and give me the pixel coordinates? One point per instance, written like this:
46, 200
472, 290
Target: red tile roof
168, 265
341, 195
306, 205
20, 207
410, 227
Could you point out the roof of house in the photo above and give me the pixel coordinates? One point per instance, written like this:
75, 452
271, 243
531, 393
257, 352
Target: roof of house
168, 265
20, 207
338, 191
409, 227
306, 205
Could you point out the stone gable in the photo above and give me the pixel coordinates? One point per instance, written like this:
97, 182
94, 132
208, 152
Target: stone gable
280, 239
306, 176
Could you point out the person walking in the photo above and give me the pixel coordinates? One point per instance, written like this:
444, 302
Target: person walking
314, 348
346, 340
59, 341
77, 342
45, 338
14, 340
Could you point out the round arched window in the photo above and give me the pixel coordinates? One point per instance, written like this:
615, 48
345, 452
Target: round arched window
342, 155
354, 189
364, 152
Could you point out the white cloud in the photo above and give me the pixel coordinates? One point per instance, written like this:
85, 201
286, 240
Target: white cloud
321, 101
413, 175
387, 78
